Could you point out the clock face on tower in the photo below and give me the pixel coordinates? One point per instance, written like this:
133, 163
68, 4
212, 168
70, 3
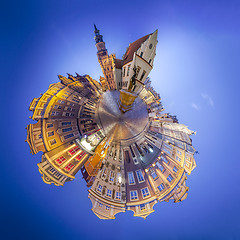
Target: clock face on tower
131, 153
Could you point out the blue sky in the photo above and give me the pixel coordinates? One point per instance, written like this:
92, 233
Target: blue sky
196, 71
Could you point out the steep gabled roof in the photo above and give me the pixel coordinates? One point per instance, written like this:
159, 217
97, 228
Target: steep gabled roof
133, 47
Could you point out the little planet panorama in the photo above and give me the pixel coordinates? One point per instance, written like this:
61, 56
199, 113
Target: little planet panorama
129, 151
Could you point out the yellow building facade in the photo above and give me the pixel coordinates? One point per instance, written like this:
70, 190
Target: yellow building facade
131, 153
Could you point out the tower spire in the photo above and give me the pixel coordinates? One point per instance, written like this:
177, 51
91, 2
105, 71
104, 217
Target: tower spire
98, 38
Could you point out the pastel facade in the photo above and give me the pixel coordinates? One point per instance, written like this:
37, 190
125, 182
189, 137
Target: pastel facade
139, 156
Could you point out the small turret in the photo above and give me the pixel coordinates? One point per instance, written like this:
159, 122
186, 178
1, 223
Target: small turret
105, 60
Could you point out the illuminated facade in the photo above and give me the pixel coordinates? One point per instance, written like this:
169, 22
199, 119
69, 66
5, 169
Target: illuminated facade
115, 132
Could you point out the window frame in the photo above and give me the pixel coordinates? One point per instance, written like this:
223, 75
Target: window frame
99, 188
170, 178
109, 193
135, 197
161, 187
140, 175
132, 175
145, 194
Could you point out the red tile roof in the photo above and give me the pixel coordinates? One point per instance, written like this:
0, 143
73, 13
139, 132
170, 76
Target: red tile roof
133, 47
118, 63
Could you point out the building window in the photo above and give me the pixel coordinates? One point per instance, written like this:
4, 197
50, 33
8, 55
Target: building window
66, 129
52, 142
49, 125
141, 54
160, 166
175, 169
124, 84
99, 188
52, 170
137, 71
60, 160
140, 176
150, 46
66, 123
100, 204
79, 157
69, 104
168, 146
50, 133
58, 175
166, 150
142, 76
169, 178
133, 195
55, 113
69, 167
164, 159
131, 179
61, 101
161, 187
128, 70
178, 158
124, 69
142, 207
118, 195
145, 192
74, 150
104, 172
179, 152
111, 177
149, 61
68, 136
75, 100
109, 193
154, 175
107, 208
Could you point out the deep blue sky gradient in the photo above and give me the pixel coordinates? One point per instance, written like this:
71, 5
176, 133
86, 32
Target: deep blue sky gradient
196, 71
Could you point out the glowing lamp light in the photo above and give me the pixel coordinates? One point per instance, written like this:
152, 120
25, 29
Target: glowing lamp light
86, 145
120, 179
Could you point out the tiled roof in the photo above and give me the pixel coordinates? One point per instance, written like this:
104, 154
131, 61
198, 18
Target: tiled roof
133, 47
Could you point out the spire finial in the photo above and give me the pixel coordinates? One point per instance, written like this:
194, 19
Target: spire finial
98, 38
